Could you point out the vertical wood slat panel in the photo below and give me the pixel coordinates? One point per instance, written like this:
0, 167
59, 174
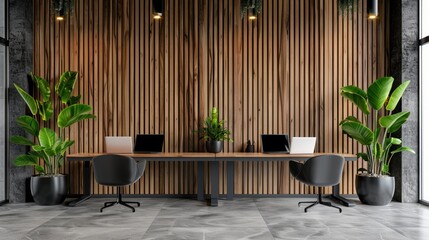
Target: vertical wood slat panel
279, 74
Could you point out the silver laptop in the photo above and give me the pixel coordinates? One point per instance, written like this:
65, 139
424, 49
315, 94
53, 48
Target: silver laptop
302, 145
119, 144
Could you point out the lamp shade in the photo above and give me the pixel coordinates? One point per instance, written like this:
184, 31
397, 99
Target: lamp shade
157, 8
252, 13
62, 8
372, 9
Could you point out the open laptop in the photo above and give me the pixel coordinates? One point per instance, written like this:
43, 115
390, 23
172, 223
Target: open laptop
149, 143
302, 145
275, 143
119, 144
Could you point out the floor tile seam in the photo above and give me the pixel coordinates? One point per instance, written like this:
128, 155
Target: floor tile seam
88, 227
380, 222
400, 233
109, 217
202, 216
30, 230
156, 217
259, 211
208, 227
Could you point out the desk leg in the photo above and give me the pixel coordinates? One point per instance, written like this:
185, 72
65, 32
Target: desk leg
214, 174
230, 180
336, 196
86, 186
200, 181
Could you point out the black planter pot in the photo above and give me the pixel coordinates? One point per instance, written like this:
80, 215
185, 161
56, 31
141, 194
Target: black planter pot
375, 190
49, 190
214, 146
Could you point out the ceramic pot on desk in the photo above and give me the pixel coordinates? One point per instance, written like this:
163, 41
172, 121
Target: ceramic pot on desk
214, 146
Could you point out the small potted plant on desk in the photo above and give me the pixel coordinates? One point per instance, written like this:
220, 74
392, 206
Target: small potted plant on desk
374, 185
214, 132
49, 187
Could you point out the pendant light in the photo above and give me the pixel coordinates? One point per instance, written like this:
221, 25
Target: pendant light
157, 8
252, 13
252, 10
62, 8
372, 9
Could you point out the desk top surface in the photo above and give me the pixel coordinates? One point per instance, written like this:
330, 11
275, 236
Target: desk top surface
210, 155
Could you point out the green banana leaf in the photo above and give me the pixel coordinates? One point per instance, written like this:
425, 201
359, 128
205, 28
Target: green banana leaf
65, 86
43, 87
376, 134
384, 168
393, 122
349, 119
29, 124
29, 160
356, 96
25, 160
45, 110
39, 169
36, 154
355, 90
404, 149
74, 100
65, 145
394, 141
38, 148
378, 151
47, 137
20, 140
364, 156
396, 96
44, 152
378, 92
73, 114
358, 132
28, 99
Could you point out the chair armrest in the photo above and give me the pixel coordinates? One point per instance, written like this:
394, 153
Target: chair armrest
295, 168
141, 166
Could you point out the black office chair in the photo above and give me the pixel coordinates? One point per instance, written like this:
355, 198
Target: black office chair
320, 171
118, 171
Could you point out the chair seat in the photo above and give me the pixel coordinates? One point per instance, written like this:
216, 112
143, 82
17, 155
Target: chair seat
117, 171
320, 171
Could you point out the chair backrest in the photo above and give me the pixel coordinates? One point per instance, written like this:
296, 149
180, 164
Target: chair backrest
116, 170
325, 170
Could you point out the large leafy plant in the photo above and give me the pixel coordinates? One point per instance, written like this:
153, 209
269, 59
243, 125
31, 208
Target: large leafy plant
378, 139
213, 129
49, 146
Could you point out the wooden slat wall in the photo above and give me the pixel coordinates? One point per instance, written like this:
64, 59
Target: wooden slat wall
279, 74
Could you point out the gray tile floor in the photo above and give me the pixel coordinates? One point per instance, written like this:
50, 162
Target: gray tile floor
263, 218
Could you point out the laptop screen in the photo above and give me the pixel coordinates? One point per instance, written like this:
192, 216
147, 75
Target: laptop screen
302, 145
149, 143
275, 143
119, 144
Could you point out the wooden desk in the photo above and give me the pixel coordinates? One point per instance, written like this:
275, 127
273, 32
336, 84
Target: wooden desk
214, 160
166, 157
243, 156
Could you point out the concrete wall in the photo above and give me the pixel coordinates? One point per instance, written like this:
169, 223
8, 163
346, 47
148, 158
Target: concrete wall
2, 105
20, 63
2, 122
404, 33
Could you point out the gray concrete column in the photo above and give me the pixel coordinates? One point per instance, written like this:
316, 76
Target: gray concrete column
404, 65
20, 63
